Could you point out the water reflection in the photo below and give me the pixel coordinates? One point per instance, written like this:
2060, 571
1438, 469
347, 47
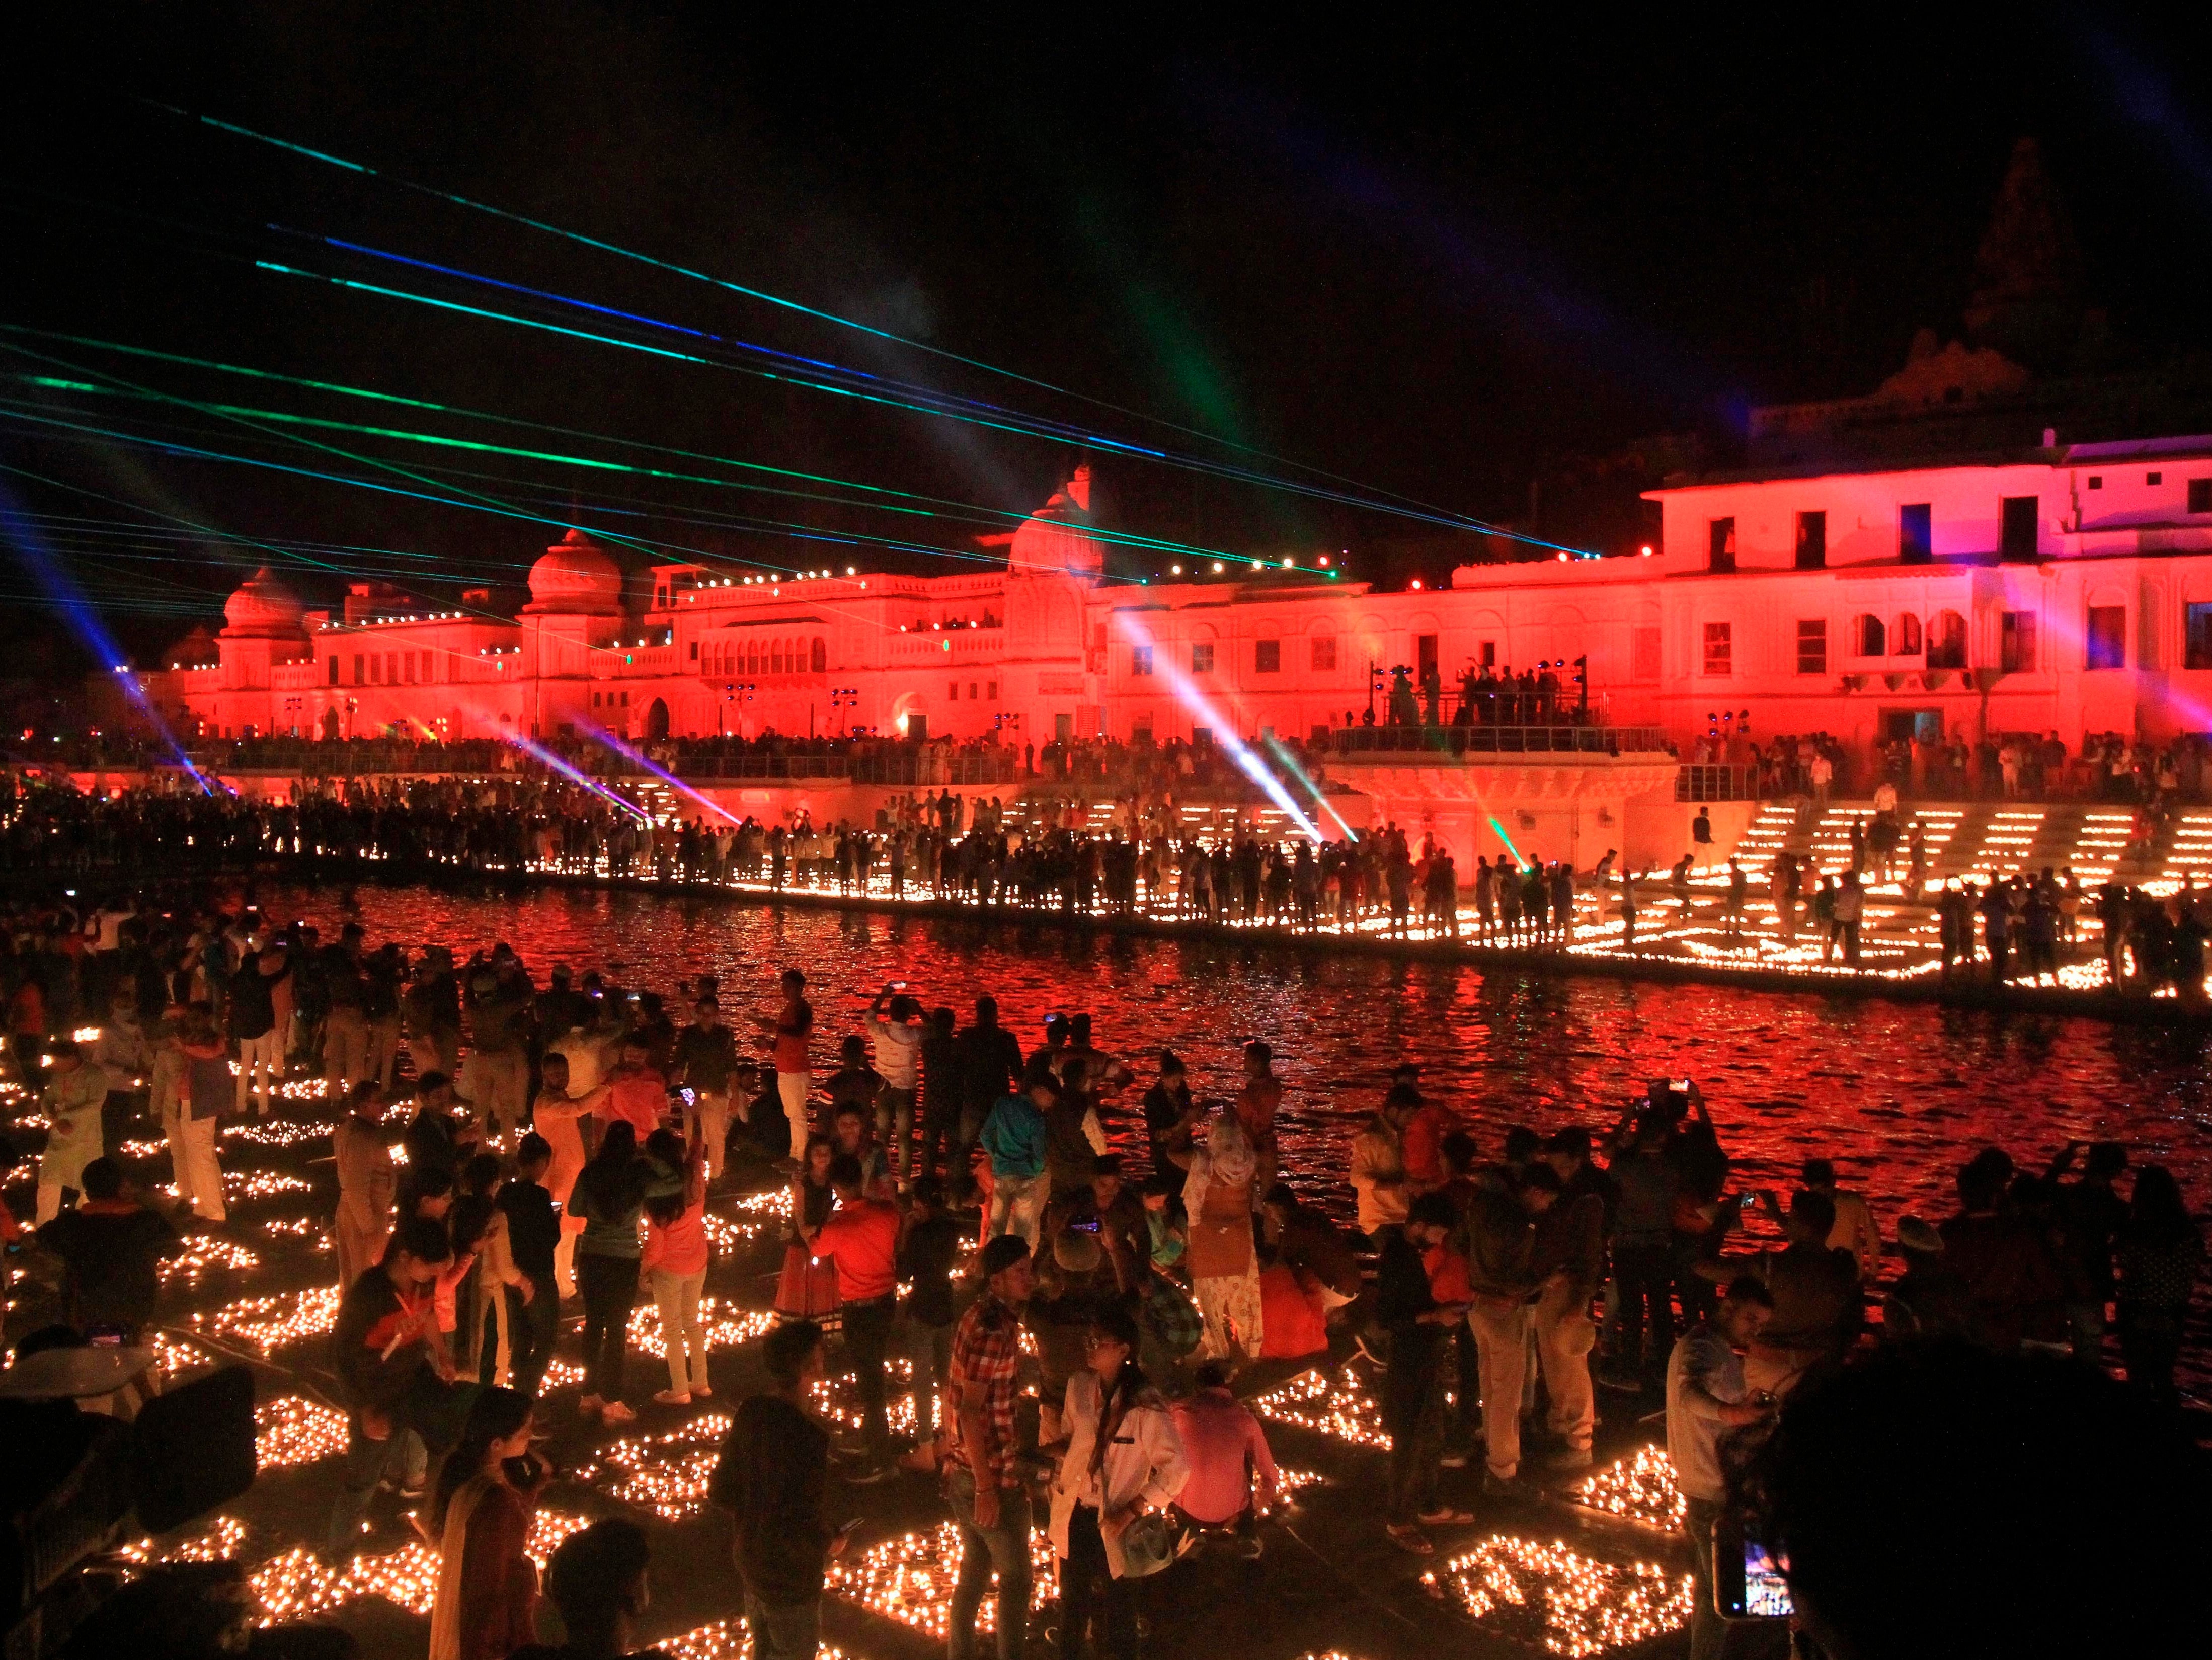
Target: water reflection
1896, 1094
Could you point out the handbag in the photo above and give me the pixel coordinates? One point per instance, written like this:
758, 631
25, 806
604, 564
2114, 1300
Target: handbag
1149, 1543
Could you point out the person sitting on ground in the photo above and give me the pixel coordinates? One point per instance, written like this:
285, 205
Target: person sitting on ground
1226, 1451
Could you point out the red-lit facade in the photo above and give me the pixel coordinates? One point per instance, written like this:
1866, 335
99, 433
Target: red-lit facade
2070, 589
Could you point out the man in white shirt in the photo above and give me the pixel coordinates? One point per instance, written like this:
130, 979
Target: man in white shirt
897, 1032
1707, 1397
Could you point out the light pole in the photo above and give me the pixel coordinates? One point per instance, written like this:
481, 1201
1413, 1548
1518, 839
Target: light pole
845, 698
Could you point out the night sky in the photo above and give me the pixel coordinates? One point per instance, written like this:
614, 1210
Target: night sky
1421, 264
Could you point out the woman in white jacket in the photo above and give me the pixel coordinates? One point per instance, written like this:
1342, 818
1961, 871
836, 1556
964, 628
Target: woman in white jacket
1123, 1459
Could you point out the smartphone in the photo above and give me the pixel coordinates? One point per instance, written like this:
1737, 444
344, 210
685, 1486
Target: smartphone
1679, 1086
690, 1096
1748, 1582
898, 985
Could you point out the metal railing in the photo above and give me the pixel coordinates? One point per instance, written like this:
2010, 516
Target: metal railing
713, 768
1480, 741
1716, 783
925, 767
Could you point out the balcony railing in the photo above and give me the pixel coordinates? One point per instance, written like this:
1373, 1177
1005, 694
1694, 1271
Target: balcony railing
1457, 742
736, 769
1716, 783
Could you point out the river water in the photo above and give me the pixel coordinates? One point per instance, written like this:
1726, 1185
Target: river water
1896, 1094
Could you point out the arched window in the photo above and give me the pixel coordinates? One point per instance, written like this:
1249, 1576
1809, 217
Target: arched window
1869, 638
1947, 640
776, 659
1906, 643
818, 657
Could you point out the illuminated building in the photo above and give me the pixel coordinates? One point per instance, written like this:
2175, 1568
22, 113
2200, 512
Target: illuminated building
1973, 580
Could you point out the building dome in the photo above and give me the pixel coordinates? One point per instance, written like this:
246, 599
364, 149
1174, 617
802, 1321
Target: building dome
1056, 541
575, 575
263, 608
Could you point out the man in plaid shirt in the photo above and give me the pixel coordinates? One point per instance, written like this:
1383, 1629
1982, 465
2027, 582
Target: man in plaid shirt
984, 1488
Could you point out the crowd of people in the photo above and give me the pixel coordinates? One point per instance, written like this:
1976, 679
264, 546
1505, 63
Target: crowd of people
1137, 859
995, 1212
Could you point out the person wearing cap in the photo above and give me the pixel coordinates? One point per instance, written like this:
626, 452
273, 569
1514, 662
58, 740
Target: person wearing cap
984, 1488
1015, 1137
76, 1092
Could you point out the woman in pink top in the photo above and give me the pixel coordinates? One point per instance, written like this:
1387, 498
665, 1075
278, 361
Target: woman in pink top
1224, 1447
675, 1265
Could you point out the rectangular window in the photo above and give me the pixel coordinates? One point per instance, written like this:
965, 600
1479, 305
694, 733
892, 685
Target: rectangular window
1201, 658
2197, 650
2016, 642
694, 651
1141, 732
1644, 655
358, 678
991, 689
953, 691
2153, 478
971, 691
1140, 659
1424, 657
625, 700
1490, 653
334, 670
1720, 544
2108, 637
1915, 533
2096, 481
1720, 649
1812, 646
1812, 541
1324, 651
2018, 531
2200, 496
1266, 656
